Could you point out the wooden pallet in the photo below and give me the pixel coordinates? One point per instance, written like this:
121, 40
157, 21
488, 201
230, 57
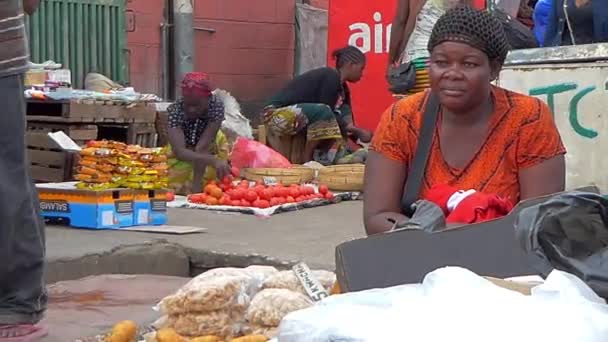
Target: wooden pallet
89, 112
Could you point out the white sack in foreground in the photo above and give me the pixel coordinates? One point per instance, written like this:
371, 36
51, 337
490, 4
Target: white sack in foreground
454, 304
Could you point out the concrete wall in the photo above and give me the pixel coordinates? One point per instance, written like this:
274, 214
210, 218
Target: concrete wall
251, 53
577, 94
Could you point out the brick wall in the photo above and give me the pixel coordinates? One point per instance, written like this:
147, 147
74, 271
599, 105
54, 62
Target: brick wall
251, 53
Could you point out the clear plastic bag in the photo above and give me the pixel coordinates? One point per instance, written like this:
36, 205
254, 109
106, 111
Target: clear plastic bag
287, 280
205, 295
224, 323
248, 153
270, 306
217, 289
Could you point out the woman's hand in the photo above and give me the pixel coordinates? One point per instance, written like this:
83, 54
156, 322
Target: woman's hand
222, 169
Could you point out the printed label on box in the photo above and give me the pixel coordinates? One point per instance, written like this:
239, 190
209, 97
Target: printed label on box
56, 206
124, 207
143, 216
158, 205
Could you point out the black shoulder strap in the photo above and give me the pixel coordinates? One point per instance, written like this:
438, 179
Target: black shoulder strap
413, 183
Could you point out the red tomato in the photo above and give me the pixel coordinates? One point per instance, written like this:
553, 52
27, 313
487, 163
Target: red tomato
319, 196
290, 199
267, 194
223, 187
170, 196
307, 190
251, 196
235, 203
244, 184
258, 183
235, 171
263, 204
281, 200
275, 201
329, 195
259, 189
294, 192
323, 189
228, 179
256, 203
238, 194
300, 199
245, 203
225, 200
197, 198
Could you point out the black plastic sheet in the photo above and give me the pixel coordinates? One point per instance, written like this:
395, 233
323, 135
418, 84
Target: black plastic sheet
568, 232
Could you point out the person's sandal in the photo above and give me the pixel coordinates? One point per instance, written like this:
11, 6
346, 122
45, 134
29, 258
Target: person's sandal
22, 333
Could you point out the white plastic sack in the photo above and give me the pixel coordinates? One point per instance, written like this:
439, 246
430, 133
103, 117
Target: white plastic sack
454, 304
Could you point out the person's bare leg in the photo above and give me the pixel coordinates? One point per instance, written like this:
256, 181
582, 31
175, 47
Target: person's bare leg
309, 149
22, 238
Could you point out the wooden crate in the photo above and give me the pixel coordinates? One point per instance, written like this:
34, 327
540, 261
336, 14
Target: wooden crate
48, 163
89, 112
143, 134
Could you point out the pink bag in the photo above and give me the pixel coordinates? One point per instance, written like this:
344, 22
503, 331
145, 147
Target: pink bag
252, 154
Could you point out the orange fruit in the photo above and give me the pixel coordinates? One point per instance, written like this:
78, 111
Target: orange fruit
216, 192
209, 188
211, 201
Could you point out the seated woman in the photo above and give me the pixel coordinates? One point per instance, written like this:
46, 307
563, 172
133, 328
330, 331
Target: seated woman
486, 138
576, 22
317, 104
198, 147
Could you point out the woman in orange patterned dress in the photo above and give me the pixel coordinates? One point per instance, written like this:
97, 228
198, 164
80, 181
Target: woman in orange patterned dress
487, 138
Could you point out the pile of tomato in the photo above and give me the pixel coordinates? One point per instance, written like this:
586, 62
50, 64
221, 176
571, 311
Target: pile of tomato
259, 195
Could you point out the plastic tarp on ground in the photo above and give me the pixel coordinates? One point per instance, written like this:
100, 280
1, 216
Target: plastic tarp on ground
311, 42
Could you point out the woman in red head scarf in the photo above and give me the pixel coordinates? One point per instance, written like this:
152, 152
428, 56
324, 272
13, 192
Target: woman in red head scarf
194, 135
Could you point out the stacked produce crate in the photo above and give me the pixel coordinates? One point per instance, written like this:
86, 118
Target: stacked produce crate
82, 121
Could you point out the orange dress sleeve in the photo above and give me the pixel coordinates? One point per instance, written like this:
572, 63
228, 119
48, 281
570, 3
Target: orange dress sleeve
391, 136
539, 138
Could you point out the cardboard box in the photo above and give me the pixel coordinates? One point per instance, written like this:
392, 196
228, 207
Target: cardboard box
150, 207
403, 257
104, 209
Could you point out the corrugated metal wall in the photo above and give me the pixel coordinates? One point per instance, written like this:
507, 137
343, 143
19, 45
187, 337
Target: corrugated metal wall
83, 35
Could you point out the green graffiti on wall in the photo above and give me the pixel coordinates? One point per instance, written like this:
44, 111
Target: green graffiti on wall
573, 113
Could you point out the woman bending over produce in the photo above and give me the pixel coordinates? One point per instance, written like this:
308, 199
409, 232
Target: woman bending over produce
318, 104
198, 146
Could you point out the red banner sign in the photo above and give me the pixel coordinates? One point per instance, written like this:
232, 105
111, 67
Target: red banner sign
367, 25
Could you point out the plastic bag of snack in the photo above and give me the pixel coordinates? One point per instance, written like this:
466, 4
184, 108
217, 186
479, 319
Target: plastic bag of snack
269, 306
256, 275
205, 295
96, 186
223, 323
288, 280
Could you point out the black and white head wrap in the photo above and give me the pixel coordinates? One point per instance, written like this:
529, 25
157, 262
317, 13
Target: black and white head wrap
479, 29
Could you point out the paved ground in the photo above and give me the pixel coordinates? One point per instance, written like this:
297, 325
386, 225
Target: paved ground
309, 235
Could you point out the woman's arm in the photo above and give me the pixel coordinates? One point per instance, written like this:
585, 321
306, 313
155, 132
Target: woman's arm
203, 148
398, 31
545, 178
540, 154
384, 180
